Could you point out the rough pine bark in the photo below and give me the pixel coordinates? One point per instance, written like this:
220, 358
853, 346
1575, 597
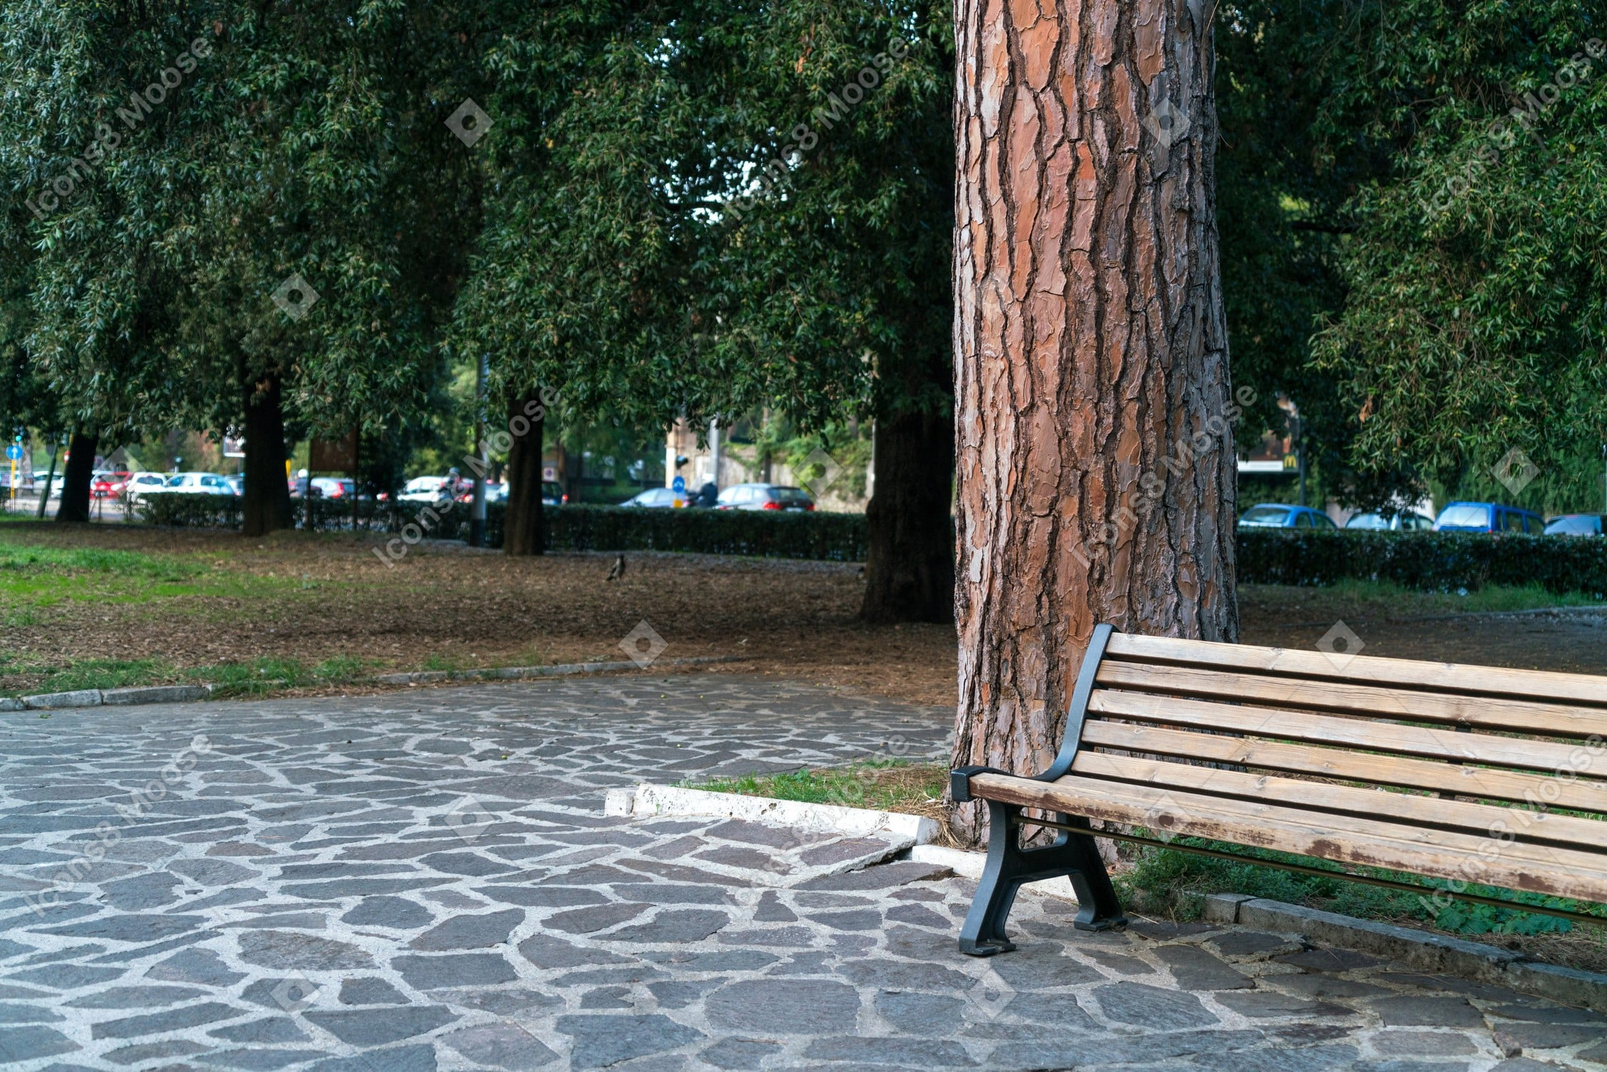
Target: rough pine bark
523, 530
76, 480
1095, 463
265, 506
909, 563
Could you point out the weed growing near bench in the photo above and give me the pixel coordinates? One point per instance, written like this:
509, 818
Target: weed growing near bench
1172, 884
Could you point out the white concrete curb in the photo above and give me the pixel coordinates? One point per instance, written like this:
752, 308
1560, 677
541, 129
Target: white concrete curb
1421, 950
645, 800
56, 701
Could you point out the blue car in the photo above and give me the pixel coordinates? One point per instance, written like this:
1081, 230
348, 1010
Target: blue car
1281, 516
1487, 517
1576, 525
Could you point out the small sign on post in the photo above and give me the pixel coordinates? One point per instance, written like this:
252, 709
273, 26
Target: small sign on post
333, 455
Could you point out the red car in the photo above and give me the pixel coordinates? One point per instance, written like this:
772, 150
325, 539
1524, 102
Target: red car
109, 485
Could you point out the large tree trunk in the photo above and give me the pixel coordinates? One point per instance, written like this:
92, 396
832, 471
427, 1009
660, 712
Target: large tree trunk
523, 532
1095, 458
909, 563
76, 479
267, 493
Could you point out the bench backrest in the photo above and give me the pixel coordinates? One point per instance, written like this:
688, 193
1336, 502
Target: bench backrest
1464, 754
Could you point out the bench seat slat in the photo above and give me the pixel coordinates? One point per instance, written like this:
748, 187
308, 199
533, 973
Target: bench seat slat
1329, 729
1358, 698
1484, 782
1458, 678
1589, 835
1337, 838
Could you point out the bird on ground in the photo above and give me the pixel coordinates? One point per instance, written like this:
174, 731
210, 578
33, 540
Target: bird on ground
618, 569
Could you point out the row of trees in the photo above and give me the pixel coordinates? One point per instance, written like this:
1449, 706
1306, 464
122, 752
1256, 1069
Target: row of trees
695, 209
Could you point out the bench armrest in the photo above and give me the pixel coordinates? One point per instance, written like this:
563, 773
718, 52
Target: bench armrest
960, 781
1071, 739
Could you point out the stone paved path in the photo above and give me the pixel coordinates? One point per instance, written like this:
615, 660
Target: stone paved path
425, 880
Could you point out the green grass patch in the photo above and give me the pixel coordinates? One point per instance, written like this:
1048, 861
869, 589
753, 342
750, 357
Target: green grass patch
1171, 883
1489, 599
28, 560
885, 785
86, 674
266, 674
254, 678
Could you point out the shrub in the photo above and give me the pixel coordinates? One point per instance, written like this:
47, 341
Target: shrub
824, 536
206, 511
1426, 561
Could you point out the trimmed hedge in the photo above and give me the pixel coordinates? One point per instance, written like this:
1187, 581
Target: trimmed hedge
204, 511
823, 536
1427, 561
767, 534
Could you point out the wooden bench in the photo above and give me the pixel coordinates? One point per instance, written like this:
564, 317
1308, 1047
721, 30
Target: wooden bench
1471, 774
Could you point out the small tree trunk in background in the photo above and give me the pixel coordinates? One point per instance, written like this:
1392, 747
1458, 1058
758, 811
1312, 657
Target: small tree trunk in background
50, 477
523, 528
909, 562
1096, 467
267, 495
76, 479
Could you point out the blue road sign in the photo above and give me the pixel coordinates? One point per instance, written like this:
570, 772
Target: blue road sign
14, 452
678, 485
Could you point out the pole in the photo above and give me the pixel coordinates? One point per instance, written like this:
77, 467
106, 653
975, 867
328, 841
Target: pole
477, 511
1300, 454
357, 471
714, 453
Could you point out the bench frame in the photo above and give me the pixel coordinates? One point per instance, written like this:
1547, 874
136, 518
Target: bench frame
1072, 855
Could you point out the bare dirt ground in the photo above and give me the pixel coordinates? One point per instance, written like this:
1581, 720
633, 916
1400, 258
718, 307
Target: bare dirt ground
449, 607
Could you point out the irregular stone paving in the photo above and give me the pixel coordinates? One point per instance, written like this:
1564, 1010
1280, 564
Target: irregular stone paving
425, 880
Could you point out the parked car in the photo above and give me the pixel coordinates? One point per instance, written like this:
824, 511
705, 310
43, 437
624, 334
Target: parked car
139, 484
424, 489
1487, 517
1405, 521
192, 484
552, 493
652, 498
108, 485
1575, 525
42, 475
763, 497
332, 487
237, 481
1282, 516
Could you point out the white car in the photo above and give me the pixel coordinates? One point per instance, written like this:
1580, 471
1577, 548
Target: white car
193, 484
425, 489
143, 484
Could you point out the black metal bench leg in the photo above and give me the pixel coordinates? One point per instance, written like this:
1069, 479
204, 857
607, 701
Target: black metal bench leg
1072, 855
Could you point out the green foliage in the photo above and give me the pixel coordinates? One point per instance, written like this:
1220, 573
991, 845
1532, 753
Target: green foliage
613, 266
1474, 323
1426, 561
